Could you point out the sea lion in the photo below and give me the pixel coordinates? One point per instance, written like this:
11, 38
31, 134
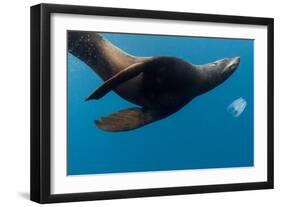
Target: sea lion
159, 85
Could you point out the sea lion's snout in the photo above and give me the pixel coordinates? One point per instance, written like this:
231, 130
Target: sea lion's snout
230, 66
234, 63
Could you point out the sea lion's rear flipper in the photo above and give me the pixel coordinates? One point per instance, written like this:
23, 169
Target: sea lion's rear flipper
101, 55
121, 77
128, 119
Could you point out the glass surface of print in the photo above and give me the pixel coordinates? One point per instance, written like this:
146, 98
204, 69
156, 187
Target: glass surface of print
212, 130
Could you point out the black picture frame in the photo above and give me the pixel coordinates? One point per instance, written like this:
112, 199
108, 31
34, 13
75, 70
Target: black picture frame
41, 95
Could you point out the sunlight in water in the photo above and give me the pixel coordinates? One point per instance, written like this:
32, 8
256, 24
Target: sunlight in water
237, 107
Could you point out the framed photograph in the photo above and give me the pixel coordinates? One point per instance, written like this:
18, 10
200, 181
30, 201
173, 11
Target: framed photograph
133, 103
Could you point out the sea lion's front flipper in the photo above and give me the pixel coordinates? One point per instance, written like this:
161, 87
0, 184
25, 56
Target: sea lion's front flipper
128, 119
121, 77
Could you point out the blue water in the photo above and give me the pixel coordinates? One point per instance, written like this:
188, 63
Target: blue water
201, 135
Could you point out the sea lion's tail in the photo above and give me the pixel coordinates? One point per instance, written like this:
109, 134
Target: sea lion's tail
102, 56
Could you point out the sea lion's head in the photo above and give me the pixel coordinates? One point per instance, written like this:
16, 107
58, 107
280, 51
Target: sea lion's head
225, 67
215, 73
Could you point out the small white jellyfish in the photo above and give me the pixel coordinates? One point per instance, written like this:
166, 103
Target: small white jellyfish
237, 107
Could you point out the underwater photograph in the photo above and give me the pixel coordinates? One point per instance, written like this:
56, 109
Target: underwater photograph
146, 102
